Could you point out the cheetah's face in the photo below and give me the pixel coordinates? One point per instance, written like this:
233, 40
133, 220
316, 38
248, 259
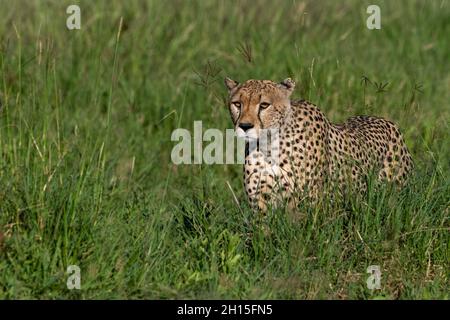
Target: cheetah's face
258, 104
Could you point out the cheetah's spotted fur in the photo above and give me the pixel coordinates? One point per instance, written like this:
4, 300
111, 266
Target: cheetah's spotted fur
312, 149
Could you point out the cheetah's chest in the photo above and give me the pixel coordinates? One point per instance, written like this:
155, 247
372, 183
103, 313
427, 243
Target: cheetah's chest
299, 162
262, 172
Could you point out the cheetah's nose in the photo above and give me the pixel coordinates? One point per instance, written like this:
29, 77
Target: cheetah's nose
245, 126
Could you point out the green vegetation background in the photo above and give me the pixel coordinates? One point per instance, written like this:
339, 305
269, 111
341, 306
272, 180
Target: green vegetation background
85, 170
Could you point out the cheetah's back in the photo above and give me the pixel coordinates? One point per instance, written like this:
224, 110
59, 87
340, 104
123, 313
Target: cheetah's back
365, 143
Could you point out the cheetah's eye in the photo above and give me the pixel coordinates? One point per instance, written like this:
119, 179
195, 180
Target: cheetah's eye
237, 104
264, 105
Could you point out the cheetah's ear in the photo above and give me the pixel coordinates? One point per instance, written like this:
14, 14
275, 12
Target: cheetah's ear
231, 84
287, 84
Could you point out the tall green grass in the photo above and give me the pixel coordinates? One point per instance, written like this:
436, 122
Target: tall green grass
85, 170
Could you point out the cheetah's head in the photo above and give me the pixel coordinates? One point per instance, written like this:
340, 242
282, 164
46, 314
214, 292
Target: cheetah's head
258, 104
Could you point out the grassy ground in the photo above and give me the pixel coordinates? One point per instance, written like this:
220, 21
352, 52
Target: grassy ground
85, 170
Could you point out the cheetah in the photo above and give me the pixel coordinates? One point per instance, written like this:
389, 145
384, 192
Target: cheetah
313, 152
